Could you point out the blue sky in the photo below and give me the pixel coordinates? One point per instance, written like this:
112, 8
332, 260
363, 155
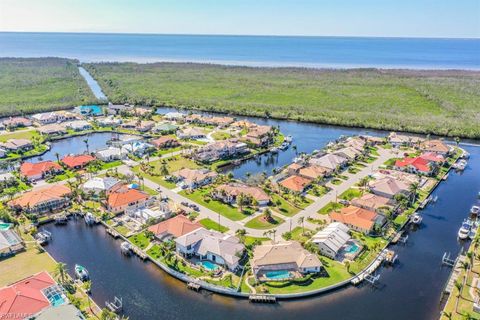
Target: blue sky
393, 18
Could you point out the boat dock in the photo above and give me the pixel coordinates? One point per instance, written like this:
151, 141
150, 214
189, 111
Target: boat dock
194, 286
399, 238
112, 232
261, 298
116, 305
142, 255
456, 270
390, 256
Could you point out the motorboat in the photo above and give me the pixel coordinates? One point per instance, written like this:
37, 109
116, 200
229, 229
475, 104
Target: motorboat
417, 219
89, 218
283, 146
464, 231
288, 139
475, 210
43, 237
126, 248
81, 272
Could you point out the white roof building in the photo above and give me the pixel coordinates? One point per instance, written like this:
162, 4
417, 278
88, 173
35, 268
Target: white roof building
109, 154
332, 239
162, 211
174, 115
78, 125
330, 161
138, 148
98, 184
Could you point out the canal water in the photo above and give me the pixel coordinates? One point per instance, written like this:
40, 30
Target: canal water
75, 145
93, 84
410, 290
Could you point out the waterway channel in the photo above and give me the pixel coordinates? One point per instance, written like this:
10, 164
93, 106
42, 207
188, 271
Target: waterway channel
410, 290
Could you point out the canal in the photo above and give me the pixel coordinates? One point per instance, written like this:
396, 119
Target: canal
410, 290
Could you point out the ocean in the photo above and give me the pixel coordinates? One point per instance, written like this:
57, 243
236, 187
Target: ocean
272, 51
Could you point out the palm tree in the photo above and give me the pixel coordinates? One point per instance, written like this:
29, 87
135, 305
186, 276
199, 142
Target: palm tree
363, 183
447, 315
86, 145
413, 189
57, 155
107, 315
459, 287
61, 271
301, 220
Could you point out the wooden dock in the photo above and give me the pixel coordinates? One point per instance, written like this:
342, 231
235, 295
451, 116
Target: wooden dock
194, 286
112, 232
142, 255
457, 269
262, 298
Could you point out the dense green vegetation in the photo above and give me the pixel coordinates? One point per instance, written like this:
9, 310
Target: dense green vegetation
40, 84
441, 102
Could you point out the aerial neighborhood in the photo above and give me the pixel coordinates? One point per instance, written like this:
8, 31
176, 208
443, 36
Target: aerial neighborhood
162, 184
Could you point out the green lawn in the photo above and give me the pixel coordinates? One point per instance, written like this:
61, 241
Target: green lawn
283, 206
330, 207
19, 134
212, 225
298, 234
221, 135
260, 223
140, 240
150, 191
225, 210
336, 181
351, 194
249, 240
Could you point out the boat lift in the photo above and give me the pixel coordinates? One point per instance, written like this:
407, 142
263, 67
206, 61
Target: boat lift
371, 278
448, 261
116, 305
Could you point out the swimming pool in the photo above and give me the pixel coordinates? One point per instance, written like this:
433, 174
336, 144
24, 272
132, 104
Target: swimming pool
208, 265
93, 110
5, 226
278, 275
55, 295
352, 248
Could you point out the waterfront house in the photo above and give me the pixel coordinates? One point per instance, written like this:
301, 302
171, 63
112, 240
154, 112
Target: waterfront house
17, 145
388, 187
124, 198
218, 121
42, 200
373, 202
78, 125
153, 213
242, 124
3, 152
52, 129
221, 249
289, 257
334, 241
295, 184
356, 218
405, 177
109, 154
174, 116
64, 115
29, 298
138, 149
125, 139
99, 185
194, 178
117, 109
109, 122
220, 150
416, 165
349, 153
77, 161
141, 126
398, 140
436, 146
142, 111
173, 228
358, 143
15, 122
314, 172
194, 118
165, 128
10, 241
39, 170
45, 118
228, 193
165, 142
433, 157
330, 161
191, 133
260, 136
7, 177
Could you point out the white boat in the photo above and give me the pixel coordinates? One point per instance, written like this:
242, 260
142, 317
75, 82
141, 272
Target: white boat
417, 219
81, 272
288, 139
283, 146
464, 231
472, 234
475, 210
126, 248
89, 218
274, 150
43, 237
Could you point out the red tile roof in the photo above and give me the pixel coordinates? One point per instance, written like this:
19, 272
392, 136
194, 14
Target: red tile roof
176, 226
432, 157
164, 140
358, 217
78, 160
29, 169
36, 196
124, 196
295, 183
418, 163
25, 296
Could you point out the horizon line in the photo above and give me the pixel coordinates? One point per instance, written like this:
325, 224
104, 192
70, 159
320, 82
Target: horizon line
241, 35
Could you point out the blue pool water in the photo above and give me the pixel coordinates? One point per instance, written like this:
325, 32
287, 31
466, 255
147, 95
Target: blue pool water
92, 110
209, 265
5, 226
56, 300
278, 275
351, 248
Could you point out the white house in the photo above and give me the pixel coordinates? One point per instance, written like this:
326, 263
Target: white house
137, 148
174, 116
142, 215
79, 125
332, 239
98, 185
109, 154
10, 241
221, 249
